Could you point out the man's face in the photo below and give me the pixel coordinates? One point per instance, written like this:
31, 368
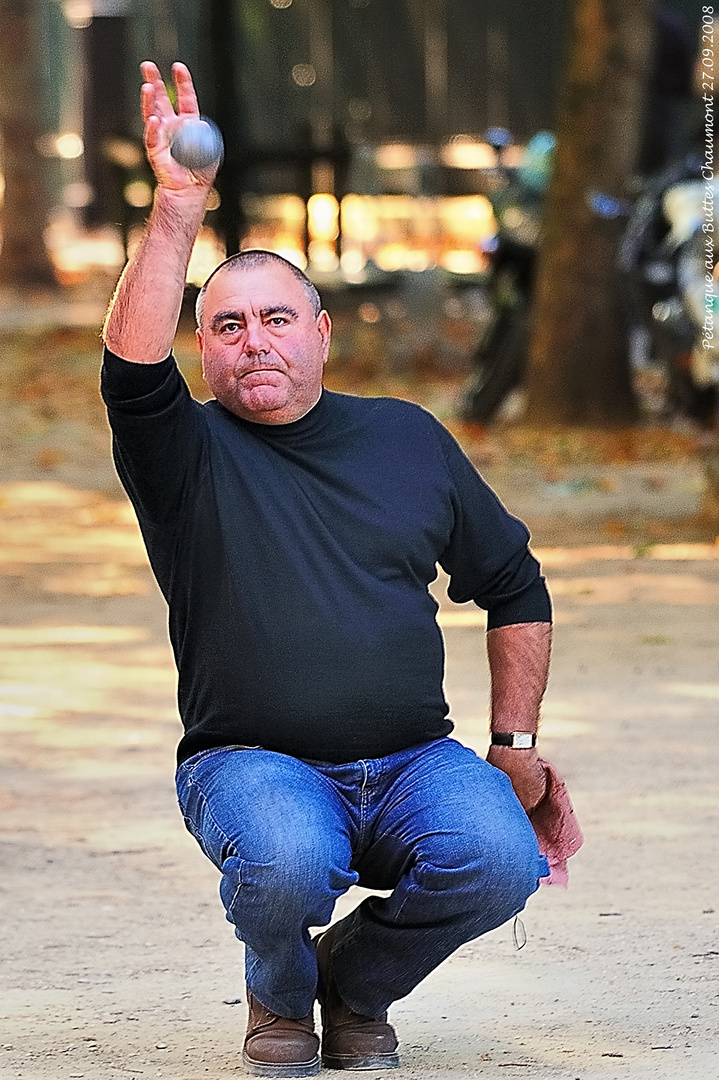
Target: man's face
263, 350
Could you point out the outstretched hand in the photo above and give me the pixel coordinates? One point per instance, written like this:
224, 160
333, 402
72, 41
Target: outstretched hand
162, 123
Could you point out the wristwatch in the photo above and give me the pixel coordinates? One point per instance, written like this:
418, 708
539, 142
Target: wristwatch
518, 740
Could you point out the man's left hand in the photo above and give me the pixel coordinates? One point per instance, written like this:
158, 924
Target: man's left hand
525, 770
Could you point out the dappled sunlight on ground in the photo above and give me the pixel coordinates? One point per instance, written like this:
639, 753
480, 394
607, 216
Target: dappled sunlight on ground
116, 943
704, 691
92, 707
632, 587
71, 635
80, 697
85, 543
107, 689
568, 556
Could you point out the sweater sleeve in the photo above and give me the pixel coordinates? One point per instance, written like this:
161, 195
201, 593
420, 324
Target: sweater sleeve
488, 558
158, 433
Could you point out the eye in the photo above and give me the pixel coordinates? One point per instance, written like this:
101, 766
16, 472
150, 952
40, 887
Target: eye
230, 328
278, 320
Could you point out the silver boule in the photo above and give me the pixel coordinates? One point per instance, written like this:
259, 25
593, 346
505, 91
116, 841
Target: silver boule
197, 143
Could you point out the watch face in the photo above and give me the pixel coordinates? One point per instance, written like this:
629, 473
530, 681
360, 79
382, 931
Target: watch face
522, 740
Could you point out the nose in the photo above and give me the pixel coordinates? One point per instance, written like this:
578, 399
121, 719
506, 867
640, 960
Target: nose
256, 341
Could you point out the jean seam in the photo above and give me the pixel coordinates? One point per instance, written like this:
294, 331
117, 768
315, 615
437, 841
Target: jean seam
221, 832
237, 890
409, 889
364, 799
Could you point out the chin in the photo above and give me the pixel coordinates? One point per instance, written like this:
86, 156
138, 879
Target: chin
263, 400
254, 405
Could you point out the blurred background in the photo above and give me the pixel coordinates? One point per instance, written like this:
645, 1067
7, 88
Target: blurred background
388, 102
504, 208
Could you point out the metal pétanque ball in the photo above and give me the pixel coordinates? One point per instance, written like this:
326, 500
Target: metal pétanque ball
197, 143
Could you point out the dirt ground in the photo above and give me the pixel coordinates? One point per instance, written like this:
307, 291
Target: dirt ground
116, 958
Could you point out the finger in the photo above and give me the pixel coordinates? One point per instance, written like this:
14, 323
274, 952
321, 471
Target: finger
187, 104
157, 137
152, 133
161, 106
147, 101
151, 78
150, 71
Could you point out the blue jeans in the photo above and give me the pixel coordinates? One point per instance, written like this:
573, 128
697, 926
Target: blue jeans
435, 823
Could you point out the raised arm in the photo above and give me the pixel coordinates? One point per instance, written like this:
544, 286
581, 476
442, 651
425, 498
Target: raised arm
144, 312
519, 666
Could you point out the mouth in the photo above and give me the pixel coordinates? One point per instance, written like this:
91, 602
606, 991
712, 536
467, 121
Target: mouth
258, 371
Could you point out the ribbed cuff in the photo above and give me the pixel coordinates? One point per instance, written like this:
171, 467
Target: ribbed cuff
124, 380
532, 605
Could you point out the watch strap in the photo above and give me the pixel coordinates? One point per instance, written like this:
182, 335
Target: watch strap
518, 740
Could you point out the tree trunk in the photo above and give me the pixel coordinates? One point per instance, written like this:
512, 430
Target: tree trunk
24, 261
578, 355
226, 57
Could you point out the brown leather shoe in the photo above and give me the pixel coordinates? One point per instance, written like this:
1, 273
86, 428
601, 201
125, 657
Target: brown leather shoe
350, 1040
278, 1045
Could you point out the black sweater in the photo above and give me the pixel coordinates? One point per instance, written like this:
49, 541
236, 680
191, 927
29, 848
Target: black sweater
295, 560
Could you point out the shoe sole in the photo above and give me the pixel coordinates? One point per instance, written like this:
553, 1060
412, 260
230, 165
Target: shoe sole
361, 1061
261, 1068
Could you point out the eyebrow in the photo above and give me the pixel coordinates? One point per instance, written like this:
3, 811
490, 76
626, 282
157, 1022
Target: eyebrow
280, 309
266, 312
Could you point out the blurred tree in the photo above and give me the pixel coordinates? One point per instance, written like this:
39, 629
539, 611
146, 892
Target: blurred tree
226, 53
23, 260
578, 354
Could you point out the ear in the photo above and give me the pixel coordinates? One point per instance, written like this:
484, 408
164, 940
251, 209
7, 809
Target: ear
201, 345
324, 326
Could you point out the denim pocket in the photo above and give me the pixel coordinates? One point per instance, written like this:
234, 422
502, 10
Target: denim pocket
203, 755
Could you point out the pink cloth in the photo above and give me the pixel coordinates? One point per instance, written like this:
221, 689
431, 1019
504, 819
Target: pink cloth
556, 826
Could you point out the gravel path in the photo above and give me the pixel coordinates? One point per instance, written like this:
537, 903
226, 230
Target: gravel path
116, 959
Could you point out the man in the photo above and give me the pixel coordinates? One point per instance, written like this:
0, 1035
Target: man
294, 533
